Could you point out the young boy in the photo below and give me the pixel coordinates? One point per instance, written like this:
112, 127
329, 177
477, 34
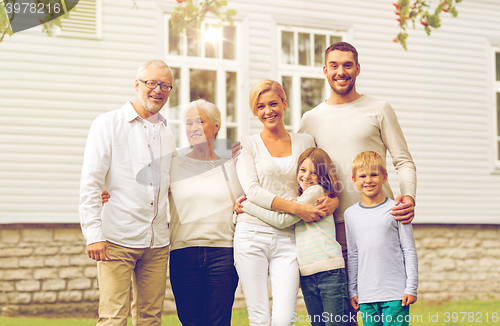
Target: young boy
382, 257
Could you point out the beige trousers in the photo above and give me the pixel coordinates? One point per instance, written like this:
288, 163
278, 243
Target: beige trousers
149, 266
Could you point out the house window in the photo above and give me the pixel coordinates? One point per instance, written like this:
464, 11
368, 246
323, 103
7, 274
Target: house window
207, 67
496, 87
301, 59
84, 21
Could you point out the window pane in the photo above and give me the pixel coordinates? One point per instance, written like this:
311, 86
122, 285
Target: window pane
212, 34
231, 97
319, 50
311, 93
498, 65
287, 49
174, 41
335, 39
173, 100
231, 133
286, 82
304, 49
203, 84
229, 36
193, 46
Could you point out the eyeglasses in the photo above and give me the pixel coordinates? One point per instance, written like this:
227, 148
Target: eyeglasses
152, 84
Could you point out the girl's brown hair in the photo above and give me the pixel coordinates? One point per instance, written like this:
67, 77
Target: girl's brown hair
325, 170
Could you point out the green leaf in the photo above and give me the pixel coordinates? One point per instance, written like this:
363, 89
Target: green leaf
188, 16
4, 23
435, 21
4, 20
402, 39
230, 12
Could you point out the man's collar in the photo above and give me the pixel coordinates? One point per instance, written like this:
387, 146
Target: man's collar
157, 118
131, 114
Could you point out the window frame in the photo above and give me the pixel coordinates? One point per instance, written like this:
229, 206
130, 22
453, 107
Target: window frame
296, 71
495, 104
219, 65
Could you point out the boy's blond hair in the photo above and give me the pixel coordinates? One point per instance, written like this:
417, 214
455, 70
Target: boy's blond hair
366, 159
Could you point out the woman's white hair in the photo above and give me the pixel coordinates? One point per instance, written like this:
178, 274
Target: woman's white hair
210, 108
156, 63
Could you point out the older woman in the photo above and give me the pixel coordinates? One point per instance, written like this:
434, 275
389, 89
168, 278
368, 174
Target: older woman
202, 191
202, 270
261, 250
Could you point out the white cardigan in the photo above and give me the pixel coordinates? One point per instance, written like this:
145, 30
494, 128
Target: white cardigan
261, 177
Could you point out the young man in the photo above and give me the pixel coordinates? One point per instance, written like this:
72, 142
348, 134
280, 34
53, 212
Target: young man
382, 255
128, 153
348, 123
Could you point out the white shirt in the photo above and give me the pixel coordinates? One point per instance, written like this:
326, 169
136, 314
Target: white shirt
151, 132
283, 162
118, 159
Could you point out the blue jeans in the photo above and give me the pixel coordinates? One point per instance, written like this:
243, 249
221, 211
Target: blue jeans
203, 281
326, 298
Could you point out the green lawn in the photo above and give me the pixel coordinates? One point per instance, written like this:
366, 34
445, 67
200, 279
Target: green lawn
471, 312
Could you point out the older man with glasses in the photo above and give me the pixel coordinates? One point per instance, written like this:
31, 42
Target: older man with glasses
128, 153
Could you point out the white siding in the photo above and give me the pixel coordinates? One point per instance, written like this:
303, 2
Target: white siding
51, 88
440, 89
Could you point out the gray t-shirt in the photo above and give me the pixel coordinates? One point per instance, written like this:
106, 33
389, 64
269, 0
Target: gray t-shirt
382, 258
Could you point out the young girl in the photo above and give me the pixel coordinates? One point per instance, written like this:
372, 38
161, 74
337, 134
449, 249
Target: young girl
323, 278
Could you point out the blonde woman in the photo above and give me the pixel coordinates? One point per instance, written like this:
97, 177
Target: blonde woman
268, 165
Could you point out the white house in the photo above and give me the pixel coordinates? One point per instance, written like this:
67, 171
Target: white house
445, 90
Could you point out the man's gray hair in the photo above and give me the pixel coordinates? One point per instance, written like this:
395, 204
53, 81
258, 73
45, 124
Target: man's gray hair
157, 63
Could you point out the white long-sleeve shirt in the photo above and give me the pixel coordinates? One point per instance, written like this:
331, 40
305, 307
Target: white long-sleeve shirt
382, 257
126, 158
262, 179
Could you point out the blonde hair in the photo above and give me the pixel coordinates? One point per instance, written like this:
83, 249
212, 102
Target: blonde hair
262, 87
210, 109
324, 168
366, 159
